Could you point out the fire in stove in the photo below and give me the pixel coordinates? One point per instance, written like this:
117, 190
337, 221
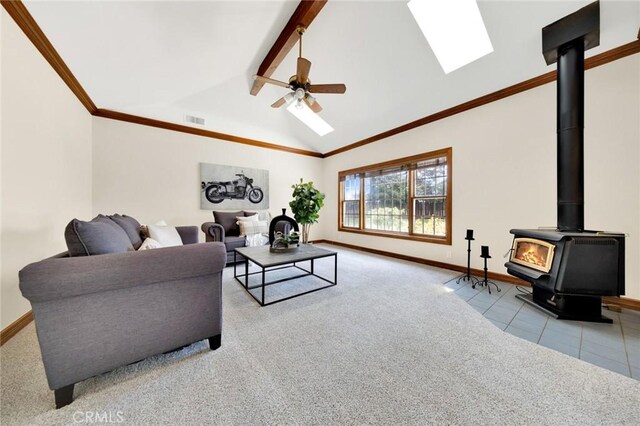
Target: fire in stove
533, 253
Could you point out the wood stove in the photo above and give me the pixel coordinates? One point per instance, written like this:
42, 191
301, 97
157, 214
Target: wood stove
569, 268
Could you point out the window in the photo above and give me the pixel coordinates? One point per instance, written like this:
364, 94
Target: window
405, 198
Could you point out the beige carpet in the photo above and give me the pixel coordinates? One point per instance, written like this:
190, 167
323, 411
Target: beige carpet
388, 345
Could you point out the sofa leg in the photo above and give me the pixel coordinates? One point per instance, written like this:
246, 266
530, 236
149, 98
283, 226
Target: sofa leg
215, 342
64, 396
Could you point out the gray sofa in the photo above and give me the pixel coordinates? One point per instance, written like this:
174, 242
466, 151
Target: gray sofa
96, 313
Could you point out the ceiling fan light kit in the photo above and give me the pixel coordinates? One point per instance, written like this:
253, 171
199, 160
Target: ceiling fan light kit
299, 101
454, 29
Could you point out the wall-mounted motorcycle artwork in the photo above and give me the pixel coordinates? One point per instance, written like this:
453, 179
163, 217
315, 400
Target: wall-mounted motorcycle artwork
229, 187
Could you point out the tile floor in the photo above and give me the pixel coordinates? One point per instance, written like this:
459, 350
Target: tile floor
613, 346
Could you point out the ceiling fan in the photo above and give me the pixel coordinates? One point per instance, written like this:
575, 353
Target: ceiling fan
301, 85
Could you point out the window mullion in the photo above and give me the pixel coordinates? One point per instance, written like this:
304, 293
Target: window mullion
361, 201
410, 200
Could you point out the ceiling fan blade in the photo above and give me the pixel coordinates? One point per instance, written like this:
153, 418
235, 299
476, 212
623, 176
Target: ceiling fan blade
315, 106
302, 74
272, 81
279, 103
327, 88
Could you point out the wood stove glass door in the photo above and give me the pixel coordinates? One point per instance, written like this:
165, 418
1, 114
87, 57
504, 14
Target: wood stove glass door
536, 254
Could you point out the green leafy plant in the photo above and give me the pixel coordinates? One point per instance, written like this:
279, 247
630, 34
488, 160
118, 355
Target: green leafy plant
306, 204
283, 241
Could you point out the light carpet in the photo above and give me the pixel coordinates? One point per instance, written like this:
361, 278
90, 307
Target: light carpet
388, 345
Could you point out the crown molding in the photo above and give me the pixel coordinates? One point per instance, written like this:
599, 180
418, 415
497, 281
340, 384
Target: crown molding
121, 116
25, 21
19, 13
592, 62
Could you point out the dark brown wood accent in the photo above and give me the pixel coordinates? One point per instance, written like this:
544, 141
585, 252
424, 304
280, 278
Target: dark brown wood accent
304, 14
594, 61
120, 116
612, 55
447, 152
624, 302
13, 328
25, 21
398, 235
429, 262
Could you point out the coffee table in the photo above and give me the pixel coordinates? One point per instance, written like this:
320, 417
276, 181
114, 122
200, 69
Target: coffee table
268, 261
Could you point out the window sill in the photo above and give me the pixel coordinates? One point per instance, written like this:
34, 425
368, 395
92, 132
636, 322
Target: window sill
399, 235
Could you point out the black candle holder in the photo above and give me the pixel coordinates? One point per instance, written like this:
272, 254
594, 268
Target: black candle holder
467, 275
485, 282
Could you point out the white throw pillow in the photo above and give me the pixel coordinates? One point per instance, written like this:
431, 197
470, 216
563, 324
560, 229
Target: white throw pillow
253, 227
167, 236
256, 240
253, 218
148, 244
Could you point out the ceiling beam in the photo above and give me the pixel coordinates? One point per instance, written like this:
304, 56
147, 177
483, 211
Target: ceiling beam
304, 14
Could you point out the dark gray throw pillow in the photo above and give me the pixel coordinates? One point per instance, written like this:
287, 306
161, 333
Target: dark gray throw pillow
228, 221
131, 227
99, 236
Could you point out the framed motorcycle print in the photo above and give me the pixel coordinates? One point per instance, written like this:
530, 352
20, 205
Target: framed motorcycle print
230, 187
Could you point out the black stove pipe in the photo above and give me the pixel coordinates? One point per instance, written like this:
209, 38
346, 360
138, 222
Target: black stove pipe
571, 136
565, 42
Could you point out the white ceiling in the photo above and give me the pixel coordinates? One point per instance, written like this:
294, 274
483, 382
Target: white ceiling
164, 59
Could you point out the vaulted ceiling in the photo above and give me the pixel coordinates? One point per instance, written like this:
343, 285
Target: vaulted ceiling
162, 60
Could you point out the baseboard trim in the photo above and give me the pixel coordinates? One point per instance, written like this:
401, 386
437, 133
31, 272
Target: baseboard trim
13, 328
623, 302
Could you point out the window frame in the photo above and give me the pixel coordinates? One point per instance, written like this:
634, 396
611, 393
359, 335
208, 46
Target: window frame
406, 161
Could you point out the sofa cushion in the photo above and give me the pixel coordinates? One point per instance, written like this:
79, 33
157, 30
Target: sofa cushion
232, 243
101, 235
131, 227
228, 221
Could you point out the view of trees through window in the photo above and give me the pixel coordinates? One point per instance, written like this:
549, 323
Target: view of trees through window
401, 198
429, 209
386, 202
351, 202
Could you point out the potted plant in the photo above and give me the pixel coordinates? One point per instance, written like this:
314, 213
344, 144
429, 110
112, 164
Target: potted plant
284, 242
306, 204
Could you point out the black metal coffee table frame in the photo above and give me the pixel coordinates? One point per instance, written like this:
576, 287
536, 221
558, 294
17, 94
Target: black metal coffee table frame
274, 266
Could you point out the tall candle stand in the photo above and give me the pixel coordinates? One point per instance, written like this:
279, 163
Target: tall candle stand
484, 253
467, 275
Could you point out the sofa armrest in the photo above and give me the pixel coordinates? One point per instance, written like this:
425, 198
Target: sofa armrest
58, 278
188, 234
213, 232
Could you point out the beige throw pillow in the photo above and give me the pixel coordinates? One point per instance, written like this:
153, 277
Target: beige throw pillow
250, 227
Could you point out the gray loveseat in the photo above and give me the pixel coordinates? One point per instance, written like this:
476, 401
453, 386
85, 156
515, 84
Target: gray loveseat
96, 313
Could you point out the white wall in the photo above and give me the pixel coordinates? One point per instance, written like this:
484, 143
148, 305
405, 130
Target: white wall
504, 169
45, 162
153, 174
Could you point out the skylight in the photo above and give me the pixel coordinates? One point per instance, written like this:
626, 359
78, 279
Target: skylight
308, 117
454, 29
